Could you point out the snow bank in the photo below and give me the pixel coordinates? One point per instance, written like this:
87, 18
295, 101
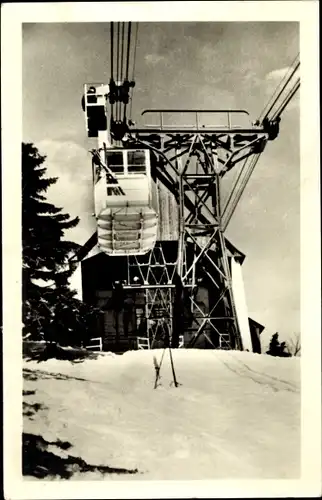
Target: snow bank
234, 414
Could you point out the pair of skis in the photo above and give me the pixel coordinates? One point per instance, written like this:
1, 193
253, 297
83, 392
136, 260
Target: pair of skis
157, 367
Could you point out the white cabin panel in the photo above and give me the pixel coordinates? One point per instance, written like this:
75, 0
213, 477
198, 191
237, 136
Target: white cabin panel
100, 195
126, 204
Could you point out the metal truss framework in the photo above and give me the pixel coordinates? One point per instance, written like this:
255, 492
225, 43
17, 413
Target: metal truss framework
155, 274
191, 162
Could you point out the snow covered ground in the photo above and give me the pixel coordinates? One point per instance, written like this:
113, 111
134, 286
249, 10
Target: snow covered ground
235, 415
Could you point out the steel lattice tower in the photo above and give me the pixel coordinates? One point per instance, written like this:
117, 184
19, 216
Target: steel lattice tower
192, 162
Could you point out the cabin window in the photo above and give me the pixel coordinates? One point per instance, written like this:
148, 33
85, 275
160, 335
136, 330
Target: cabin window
113, 187
115, 162
136, 162
91, 99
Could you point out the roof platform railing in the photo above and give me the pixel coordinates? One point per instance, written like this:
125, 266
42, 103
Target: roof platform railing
198, 120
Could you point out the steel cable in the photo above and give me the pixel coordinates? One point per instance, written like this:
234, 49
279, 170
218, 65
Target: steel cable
128, 51
280, 87
112, 50
287, 99
239, 187
118, 69
133, 70
122, 52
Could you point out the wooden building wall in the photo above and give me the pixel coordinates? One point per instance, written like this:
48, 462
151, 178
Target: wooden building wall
101, 271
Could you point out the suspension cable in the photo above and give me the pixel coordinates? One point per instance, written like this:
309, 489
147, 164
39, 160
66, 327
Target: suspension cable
133, 70
284, 79
118, 53
287, 99
232, 192
120, 86
121, 65
112, 63
135, 47
128, 51
118, 68
287, 78
127, 63
271, 113
282, 89
240, 187
122, 52
112, 50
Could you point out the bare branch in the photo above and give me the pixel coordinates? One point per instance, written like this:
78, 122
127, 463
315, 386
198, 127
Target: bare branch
294, 345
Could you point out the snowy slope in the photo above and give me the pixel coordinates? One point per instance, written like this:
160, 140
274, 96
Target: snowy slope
235, 414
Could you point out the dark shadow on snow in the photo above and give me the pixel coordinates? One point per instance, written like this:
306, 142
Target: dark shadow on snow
39, 374
28, 393
38, 462
51, 350
29, 375
29, 409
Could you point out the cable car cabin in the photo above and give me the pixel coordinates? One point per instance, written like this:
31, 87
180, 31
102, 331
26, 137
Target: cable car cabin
125, 202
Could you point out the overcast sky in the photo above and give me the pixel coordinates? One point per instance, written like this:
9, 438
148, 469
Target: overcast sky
194, 65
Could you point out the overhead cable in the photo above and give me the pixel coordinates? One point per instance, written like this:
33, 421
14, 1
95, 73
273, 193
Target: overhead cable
279, 90
133, 70
285, 78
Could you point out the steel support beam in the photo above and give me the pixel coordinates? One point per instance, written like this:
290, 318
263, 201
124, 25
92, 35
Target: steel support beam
192, 163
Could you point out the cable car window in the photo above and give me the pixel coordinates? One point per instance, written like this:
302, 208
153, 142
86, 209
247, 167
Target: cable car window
136, 161
91, 95
115, 162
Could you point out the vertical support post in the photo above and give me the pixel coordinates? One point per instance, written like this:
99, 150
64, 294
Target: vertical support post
181, 252
229, 120
197, 120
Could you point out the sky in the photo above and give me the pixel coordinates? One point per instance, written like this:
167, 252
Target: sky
180, 65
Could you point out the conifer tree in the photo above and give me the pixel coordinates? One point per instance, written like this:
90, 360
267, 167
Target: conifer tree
50, 309
276, 348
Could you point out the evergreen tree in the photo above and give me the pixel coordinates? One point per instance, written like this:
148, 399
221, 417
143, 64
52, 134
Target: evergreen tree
276, 348
50, 309
284, 350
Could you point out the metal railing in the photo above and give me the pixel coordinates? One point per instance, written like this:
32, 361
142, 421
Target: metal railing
99, 344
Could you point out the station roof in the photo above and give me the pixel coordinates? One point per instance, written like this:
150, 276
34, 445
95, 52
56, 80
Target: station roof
254, 323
